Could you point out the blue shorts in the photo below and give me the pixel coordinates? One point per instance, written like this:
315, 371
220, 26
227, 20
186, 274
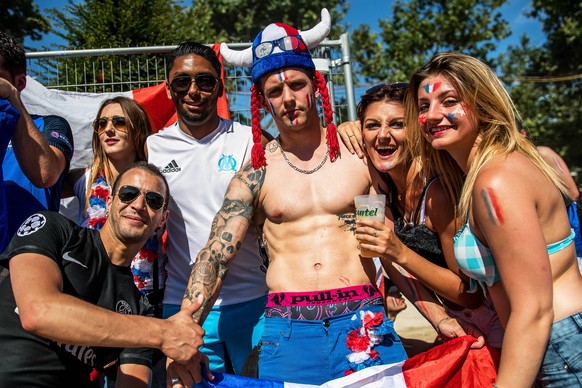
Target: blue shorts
233, 329
314, 351
562, 364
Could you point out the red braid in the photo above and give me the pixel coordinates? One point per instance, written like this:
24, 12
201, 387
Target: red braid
258, 153
331, 135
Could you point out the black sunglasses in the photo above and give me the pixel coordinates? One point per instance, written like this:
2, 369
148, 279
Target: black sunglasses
128, 194
204, 82
119, 123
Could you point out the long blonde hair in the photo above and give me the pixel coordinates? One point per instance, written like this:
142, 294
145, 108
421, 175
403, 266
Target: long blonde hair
138, 129
495, 113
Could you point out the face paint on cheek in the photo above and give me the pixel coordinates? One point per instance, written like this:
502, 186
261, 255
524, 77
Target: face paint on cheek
454, 116
492, 206
272, 109
422, 119
309, 98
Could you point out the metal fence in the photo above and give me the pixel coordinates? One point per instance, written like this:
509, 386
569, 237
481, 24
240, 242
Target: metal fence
124, 69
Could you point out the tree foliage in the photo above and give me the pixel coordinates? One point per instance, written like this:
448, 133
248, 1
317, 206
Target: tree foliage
418, 29
546, 82
123, 23
117, 23
22, 18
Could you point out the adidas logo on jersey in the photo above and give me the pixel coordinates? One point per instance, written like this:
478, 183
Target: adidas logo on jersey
171, 167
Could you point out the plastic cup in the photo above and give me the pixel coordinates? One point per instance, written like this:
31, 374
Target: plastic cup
370, 206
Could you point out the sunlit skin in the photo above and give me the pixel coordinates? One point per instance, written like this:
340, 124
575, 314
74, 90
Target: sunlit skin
446, 122
288, 95
384, 135
116, 144
197, 110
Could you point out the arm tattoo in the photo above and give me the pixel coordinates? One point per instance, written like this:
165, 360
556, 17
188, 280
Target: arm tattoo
227, 232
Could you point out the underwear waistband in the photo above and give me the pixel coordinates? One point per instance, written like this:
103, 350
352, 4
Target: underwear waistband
323, 297
317, 305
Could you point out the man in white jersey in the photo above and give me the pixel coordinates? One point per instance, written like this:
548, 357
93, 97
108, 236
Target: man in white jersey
199, 155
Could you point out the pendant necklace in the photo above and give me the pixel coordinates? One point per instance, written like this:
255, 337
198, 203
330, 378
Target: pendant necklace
294, 167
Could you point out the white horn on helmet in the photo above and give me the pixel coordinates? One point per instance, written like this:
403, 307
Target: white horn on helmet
317, 34
242, 58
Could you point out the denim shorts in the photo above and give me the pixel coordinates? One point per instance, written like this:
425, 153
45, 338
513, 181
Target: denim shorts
562, 364
315, 351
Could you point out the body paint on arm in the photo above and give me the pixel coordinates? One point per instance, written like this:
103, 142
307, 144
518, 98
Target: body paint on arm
492, 206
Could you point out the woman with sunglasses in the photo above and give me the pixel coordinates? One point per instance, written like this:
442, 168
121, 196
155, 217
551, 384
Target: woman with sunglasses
420, 240
515, 242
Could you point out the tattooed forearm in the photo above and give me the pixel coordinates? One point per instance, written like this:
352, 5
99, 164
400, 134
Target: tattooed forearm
228, 230
348, 222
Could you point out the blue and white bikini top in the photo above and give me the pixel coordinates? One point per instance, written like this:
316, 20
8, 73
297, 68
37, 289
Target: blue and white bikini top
476, 260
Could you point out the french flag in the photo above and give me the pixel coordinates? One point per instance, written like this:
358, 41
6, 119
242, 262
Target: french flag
452, 365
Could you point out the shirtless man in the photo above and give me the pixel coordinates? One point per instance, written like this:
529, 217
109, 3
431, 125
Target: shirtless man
300, 195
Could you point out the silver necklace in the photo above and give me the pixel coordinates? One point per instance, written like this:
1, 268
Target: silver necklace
294, 167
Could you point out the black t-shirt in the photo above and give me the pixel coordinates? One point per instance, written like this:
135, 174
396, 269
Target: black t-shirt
29, 360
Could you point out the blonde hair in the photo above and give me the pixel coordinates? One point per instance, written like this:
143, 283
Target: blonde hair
493, 110
138, 129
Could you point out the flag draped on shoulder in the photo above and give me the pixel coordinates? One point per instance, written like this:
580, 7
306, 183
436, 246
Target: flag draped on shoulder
80, 109
452, 365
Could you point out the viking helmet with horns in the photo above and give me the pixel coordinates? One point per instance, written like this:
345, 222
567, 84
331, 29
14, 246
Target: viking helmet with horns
279, 46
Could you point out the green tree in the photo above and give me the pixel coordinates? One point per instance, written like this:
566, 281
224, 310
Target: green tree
118, 23
546, 82
21, 18
418, 29
133, 23
241, 20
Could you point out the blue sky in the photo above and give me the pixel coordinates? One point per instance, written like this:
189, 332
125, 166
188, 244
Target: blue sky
369, 12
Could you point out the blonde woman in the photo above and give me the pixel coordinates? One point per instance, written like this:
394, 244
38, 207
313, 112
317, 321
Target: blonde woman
516, 243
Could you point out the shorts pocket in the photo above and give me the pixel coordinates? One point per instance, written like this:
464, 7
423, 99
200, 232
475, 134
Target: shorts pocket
268, 349
563, 357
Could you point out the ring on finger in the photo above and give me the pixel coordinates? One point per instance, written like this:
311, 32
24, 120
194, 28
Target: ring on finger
175, 380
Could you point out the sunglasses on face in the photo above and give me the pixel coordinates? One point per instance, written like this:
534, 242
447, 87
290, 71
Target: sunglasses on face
204, 82
286, 43
128, 194
118, 122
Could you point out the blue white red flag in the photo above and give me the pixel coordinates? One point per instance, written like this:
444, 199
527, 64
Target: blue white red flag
452, 365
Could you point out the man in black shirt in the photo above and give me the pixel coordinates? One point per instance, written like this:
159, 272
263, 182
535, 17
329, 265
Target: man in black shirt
68, 304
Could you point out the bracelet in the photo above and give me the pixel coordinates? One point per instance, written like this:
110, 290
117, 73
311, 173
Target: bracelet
441, 321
